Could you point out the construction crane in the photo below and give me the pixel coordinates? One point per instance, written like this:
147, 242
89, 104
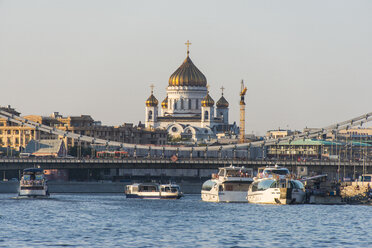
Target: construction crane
243, 90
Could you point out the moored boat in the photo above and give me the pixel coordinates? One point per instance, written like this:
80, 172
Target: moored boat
33, 183
229, 185
153, 191
275, 185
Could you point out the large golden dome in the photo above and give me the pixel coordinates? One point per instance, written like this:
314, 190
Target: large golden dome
188, 75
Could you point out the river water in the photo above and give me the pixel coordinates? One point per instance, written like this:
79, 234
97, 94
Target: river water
111, 220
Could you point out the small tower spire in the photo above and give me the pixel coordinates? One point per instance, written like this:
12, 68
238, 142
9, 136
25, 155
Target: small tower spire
152, 88
188, 47
222, 88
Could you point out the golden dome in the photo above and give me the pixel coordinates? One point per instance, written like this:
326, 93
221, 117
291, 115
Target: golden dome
222, 103
188, 75
152, 101
207, 101
164, 103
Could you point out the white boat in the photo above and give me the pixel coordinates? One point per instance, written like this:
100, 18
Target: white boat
33, 183
274, 185
229, 185
153, 191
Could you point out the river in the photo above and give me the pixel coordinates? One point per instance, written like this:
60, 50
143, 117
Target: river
111, 220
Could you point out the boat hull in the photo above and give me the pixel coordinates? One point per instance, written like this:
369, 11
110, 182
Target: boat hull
33, 192
275, 196
144, 196
225, 196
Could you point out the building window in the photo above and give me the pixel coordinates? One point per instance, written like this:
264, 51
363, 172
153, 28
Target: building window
182, 104
175, 104
196, 104
206, 115
189, 103
150, 115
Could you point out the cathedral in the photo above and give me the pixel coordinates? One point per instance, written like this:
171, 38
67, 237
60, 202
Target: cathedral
188, 111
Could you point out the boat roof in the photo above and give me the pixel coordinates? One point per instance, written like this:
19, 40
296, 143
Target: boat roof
234, 168
33, 170
144, 184
169, 185
271, 167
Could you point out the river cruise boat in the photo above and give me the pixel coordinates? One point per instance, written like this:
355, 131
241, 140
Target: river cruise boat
153, 191
229, 185
33, 183
275, 185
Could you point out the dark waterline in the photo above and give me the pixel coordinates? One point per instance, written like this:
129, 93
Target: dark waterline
111, 220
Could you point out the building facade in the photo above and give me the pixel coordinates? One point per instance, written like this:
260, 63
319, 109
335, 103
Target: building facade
188, 109
17, 137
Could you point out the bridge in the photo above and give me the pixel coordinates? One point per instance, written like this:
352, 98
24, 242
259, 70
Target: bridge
182, 169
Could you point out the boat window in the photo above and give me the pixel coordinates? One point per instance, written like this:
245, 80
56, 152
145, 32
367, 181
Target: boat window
254, 186
149, 188
221, 173
26, 177
278, 172
234, 186
274, 185
208, 185
39, 177
175, 189
264, 184
298, 184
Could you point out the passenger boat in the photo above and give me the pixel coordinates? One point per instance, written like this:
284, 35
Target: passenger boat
33, 183
229, 185
275, 185
153, 191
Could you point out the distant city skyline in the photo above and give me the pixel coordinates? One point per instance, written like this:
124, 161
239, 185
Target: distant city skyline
305, 64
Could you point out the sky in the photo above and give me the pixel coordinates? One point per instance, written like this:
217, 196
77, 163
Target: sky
305, 63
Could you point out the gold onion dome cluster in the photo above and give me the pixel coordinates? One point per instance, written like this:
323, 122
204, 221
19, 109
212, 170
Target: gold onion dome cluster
152, 101
188, 75
207, 101
164, 103
222, 103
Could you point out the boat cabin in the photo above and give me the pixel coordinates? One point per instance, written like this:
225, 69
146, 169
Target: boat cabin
143, 187
271, 183
233, 171
170, 188
270, 171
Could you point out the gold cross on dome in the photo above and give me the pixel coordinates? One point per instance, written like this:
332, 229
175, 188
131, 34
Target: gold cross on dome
188, 46
152, 88
222, 88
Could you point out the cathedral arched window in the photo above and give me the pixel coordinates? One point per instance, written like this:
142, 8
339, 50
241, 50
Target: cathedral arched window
175, 104
206, 115
189, 103
196, 104
182, 103
150, 115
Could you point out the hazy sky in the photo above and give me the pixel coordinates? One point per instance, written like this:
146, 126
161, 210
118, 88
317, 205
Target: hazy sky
305, 63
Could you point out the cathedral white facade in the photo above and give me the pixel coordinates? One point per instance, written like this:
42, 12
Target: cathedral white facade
189, 111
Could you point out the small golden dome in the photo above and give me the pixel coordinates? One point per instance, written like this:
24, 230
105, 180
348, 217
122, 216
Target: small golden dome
164, 103
222, 103
207, 101
188, 75
152, 101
